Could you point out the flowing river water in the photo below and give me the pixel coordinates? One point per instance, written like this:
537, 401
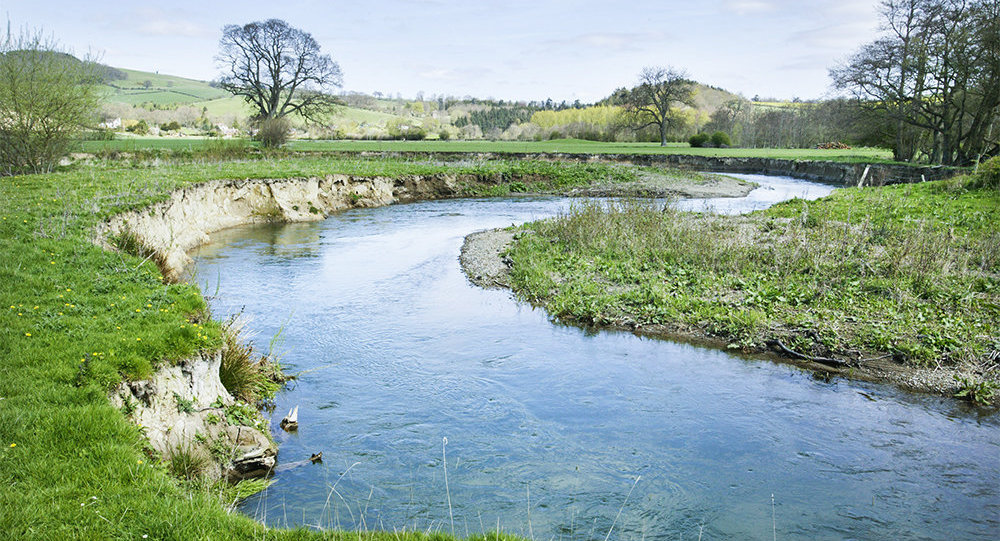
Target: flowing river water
556, 432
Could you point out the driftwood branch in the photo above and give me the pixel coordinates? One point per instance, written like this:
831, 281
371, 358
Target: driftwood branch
822, 360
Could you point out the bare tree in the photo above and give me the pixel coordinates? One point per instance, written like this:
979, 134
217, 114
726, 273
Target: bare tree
47, 97
936, 72
654, 101
278, 70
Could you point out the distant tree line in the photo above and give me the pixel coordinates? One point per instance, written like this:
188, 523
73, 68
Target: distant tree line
496, 118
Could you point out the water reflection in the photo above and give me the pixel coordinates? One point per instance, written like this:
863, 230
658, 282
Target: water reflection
396, 351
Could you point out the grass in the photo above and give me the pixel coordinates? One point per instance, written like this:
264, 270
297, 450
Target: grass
245, 374
907, 271
570, 146
75, 320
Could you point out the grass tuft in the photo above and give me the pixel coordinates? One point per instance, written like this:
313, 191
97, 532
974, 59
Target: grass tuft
186, 462
245, 374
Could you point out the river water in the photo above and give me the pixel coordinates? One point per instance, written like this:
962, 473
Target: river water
555, 432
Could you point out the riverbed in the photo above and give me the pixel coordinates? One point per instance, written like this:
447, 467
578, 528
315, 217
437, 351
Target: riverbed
558, 432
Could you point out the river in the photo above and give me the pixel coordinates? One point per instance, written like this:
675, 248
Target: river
556, 432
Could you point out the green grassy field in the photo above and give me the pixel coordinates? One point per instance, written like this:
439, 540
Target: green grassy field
75, 320
910, 272
163, 90
571, 146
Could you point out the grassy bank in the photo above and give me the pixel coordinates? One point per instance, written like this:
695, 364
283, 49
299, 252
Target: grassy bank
906, 274
571, 146
75, 320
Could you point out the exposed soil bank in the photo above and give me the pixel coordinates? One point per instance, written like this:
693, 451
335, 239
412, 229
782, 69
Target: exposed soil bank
483, 262
168, 230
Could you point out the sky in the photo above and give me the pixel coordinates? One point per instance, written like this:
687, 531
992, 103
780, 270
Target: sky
509, 49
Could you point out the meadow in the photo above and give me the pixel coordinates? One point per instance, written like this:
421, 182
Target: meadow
567, 146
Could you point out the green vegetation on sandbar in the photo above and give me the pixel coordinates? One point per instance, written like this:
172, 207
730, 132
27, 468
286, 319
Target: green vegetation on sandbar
75, 319
907, 271
569, 146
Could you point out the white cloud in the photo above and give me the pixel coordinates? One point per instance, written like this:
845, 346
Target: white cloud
164, 27
746, 7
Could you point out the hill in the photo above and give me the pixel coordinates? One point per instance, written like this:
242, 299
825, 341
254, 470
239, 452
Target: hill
155, 97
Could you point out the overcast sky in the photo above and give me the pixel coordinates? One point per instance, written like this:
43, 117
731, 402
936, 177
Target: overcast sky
509, 49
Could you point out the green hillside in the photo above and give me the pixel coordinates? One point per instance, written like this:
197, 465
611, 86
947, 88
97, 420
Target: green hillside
154, 90
140, 87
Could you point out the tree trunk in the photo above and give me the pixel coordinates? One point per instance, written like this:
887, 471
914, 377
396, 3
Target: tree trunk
663, 134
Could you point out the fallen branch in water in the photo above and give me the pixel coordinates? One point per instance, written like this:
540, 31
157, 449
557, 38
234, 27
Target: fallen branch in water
822, 360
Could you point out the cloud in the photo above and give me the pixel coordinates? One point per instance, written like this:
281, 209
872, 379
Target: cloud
154, 21
164, 27
747, 7
454, 74
843, 37
604, 41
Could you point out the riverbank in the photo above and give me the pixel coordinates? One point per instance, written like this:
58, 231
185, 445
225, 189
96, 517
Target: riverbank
896, 284
80, 319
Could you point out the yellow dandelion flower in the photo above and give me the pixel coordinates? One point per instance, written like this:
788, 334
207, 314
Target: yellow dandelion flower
27, 334
13, 445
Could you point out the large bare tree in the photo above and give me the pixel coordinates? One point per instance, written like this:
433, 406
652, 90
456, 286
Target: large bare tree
655, 100
278, 70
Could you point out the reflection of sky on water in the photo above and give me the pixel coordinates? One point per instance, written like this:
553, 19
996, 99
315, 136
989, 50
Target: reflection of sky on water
396, 350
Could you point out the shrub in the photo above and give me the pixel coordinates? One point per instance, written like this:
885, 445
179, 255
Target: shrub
698, 140
721, 139
272, 132
444, 135
988, 174
415, 134
173, 125
99, 134
46, 97
139, 128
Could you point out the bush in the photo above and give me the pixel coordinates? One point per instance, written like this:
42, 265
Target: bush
173, 125
415, 134
988, 174
272, 132
139, 128
721, 139
444, 135
698, 140
46, 97
100, 134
